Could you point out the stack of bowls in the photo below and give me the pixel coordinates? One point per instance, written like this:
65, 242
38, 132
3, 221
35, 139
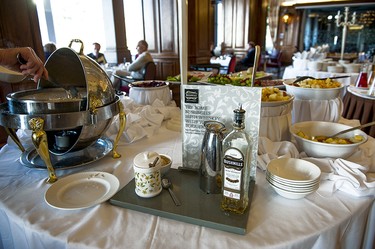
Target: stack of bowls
293, 178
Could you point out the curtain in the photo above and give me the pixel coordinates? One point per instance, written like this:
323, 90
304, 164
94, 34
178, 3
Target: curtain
273, 18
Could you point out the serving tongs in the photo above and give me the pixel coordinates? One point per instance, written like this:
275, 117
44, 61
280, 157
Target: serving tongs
313, 78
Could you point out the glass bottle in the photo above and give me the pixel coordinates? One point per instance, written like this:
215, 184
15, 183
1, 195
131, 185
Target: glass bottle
236, 166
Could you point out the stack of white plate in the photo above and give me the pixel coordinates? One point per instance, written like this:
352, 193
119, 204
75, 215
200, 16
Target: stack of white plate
293, 178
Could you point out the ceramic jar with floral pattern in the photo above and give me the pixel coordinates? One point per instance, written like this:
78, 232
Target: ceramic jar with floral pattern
147, 174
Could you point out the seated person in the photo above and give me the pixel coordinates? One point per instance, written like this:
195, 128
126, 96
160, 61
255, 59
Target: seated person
135, 69
248, 60
49, 48
96, 55
141, 59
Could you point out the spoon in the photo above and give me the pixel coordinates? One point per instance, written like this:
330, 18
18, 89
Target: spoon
309, 77
354, 128
167, 185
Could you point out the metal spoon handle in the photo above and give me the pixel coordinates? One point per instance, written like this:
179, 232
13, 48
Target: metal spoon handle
174, 197
354, 128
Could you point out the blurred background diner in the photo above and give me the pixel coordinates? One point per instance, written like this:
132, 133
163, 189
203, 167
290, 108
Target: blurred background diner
97, 55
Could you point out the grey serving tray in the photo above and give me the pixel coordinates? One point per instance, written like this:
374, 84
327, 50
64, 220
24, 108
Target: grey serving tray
196, 207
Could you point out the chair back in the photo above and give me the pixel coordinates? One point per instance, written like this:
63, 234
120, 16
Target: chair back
149, 71
232, 64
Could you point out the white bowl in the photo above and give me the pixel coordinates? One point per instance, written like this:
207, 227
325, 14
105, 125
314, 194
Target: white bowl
314, 65
335, 69
322, 150
312, 93
143, 93
352, 68
294, 170
290, 194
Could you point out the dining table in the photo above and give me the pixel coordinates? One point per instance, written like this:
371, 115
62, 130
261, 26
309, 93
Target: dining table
358, 104
322, 219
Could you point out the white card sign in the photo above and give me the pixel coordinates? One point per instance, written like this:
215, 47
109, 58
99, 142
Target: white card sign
200, 103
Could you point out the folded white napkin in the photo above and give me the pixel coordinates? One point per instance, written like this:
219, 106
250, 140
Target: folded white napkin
351, 178
141, 121
268, 150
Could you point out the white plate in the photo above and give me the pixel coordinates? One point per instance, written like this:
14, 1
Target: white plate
82, 190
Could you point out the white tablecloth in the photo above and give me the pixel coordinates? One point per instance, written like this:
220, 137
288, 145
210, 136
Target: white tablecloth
26, 221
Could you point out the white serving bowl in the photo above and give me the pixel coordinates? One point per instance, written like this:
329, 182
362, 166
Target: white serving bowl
314, 65
352, 68
143, 93
335, 69
312, 93
322, 150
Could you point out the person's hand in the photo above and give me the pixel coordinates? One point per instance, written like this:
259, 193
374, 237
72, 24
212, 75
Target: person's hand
30, 65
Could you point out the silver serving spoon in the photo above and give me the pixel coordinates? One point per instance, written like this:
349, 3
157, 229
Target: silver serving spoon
167, 185
354, 128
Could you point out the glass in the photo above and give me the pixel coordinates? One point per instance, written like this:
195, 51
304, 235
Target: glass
362, 77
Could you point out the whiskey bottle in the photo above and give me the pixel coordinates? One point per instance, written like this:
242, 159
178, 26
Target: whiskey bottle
236, 166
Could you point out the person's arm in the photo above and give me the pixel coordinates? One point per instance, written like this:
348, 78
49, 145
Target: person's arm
139, 63
32, 65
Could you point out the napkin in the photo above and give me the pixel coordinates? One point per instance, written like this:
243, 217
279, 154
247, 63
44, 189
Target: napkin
141, 121
351, 178
268, 150
354, 175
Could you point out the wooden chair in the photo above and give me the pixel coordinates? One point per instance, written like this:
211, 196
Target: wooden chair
231, 66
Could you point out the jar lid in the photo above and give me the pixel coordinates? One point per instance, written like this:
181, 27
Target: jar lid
147, 158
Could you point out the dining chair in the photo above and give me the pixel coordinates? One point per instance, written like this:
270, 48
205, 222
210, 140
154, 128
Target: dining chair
275, 63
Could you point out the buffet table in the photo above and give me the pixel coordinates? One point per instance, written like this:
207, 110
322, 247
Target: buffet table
332, 221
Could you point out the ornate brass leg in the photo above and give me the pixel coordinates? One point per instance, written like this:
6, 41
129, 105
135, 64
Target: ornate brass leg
39, 138
12, 133
122, 117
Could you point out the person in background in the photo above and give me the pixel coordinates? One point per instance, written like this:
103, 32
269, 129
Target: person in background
49, 48
96, 55
135, 69
248, 60
24, 60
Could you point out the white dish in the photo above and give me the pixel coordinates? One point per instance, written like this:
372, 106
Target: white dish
293, 188
147, 95
294, 170
293, 184
291, 195
277, 103
312, 93
321, 128
81, 190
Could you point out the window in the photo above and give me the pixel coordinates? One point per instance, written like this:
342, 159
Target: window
62, 21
